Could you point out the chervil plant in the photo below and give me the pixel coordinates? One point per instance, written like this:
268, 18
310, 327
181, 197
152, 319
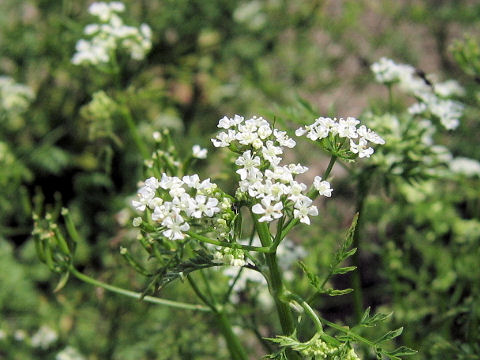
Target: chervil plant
189, 226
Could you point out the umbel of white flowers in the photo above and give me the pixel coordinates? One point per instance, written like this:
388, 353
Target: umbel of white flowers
110, 35
431, 96
267, 186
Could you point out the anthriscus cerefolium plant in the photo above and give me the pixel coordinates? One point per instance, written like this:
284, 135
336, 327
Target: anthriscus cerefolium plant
194, 231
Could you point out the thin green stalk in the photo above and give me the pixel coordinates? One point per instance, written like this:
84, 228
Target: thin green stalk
135, 295
209, 288
200, 294
390, 97
309, 311
347, 331
363, 184
263, 249
312, 194
333, 159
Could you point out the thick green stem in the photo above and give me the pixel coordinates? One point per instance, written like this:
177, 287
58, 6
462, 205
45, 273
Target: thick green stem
236, 349
135, 295
276, 287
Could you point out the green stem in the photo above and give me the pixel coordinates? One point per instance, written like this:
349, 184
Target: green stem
207, 285
311, 194
200, 294
390, 97
135, 295
127, 115
347, 331
263, 249
236, 349
363, 183
276, 287
333, 159
309, 311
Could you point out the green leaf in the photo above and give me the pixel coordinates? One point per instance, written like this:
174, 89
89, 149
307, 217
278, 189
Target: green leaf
344, 270
390, 335
370, 321
402, 351
312, 278
334, 292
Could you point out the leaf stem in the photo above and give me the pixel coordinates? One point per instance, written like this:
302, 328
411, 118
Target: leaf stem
263, 249
135, 295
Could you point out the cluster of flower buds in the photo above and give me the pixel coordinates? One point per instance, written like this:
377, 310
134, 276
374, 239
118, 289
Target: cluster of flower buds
111, 34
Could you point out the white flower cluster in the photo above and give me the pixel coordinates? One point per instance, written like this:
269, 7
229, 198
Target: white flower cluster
432, 97
465, 166
14, 97
344, 128
111, 34
176, 202
261, 176
44, 337
69, 353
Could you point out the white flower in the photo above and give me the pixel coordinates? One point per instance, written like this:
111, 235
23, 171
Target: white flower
348, 128
323, 187
192, 181
249, 162
152, 182
295, 191
175, 225
269, 211
137, 222
224, 139
303, 208
270, 152
370, 135
205, 206
198, 152
283, 139
145, 195
362, 148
